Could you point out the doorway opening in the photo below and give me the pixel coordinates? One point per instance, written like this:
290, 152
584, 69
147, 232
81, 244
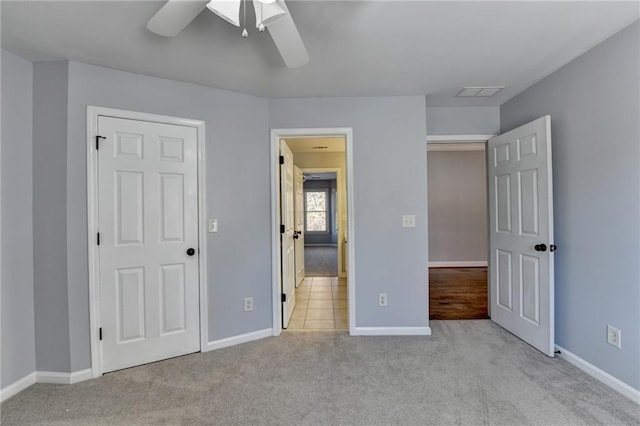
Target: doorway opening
320, 223
313, 275
458, 231
519, 183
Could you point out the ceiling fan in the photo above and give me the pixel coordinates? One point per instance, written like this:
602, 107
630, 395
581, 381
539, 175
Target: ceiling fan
273, 15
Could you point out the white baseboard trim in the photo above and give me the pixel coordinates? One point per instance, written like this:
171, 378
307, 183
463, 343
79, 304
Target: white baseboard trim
242, 338
459, 264
56, 377
17, 386
606, 378
391, 331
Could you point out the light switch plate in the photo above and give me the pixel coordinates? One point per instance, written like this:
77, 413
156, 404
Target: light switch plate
409, 221
213, 225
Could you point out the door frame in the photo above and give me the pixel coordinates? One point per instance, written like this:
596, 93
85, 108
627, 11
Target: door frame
93, 113
276, 273
466, 139
339, 206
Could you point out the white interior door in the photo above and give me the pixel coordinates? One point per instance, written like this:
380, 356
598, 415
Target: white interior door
299, 224
288, 224
521, 233
148, 224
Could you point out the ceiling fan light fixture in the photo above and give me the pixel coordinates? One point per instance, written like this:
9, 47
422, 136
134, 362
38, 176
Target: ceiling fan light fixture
267, 13
229, 10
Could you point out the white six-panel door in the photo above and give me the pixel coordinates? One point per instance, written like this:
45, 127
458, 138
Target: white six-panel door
299, 224
288, 220
148, 221
521, 233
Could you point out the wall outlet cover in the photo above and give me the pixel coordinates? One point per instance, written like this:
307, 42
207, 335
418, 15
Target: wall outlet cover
382, 299
248, 304
409, 221
614, 336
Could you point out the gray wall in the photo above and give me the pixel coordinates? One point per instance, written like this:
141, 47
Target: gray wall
457, 206
18, 352
389, 179
237, 187
594, 103
463, 120
49, 216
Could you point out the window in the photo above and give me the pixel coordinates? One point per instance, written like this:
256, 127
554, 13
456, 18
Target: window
316, 210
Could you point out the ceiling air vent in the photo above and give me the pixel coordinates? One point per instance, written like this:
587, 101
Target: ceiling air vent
479, 92
319, 147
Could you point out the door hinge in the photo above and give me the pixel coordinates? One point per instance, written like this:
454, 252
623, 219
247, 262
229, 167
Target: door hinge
100, 333
282, 229
284, 297
98, 137
98, 238
282, 159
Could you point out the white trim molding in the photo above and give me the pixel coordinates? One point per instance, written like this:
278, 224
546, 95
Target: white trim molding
600, 375
276, 135
59, 378
93, 113
457, 138
241, 338
462, 146
459, 264
17, 386
391, 331
54, 377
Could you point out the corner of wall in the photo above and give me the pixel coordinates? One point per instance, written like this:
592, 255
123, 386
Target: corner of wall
50, 95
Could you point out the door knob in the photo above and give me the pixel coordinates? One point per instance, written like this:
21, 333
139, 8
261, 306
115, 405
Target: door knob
553, 247
540, 247
191, 251
295, 235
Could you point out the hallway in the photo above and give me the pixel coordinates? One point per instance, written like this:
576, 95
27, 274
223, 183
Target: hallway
321, 304
321, 261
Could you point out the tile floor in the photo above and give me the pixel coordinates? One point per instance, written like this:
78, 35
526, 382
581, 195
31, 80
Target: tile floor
321, 304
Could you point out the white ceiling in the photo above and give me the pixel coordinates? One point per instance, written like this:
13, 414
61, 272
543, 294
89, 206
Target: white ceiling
357, 48
317, 145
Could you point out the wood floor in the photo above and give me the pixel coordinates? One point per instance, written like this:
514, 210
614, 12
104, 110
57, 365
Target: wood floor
457, 293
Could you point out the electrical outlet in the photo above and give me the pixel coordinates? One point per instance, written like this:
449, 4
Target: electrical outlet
382, 299
248, 304
409, 221
614, 337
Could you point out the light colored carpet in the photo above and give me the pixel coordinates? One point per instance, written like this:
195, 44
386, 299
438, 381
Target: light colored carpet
468, 372
321, 261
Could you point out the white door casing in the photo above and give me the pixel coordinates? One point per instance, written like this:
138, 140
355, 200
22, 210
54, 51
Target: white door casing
276, 218
147, 219
299, 224
287, 241
521, 233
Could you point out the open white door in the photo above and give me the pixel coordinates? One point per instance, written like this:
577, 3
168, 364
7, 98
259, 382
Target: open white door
287, 232
521, 233
298, 233
148, 242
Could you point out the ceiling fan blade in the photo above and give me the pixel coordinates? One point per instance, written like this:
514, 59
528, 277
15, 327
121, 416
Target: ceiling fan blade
287, 39
174, 16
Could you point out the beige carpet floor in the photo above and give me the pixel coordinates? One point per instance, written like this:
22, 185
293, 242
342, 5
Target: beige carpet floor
467, 373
